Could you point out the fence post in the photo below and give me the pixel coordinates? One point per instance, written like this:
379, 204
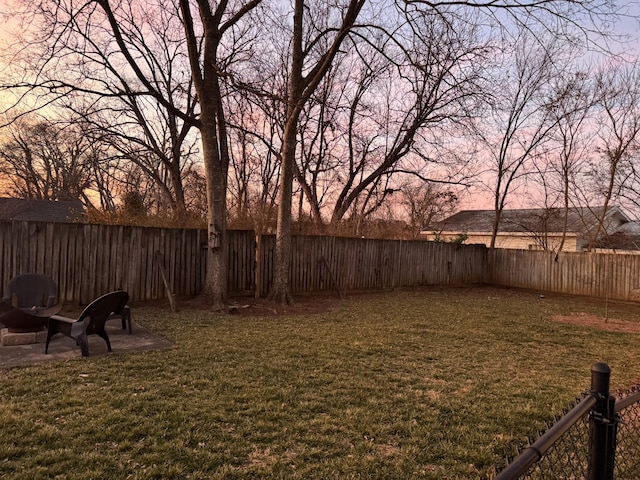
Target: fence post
603, 425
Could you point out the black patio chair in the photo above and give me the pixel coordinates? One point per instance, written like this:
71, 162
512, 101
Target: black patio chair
28, 301
31, 290
90, 322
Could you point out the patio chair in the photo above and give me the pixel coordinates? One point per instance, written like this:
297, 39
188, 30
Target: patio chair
31, 290
28, 301
90, 322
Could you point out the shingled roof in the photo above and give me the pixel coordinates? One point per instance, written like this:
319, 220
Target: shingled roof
579, 220
28, 209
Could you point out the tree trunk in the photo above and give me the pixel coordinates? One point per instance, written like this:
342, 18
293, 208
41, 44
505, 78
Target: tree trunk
214, 291
495, 227
280, 291
299, 89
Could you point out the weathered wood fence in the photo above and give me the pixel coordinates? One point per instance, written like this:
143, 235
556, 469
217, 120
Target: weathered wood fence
348, 264
603, 275
88, 260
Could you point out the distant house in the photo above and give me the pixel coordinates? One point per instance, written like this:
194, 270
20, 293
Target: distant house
28, 209
531, 229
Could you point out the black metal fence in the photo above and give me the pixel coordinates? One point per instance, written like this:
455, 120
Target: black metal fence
597, 439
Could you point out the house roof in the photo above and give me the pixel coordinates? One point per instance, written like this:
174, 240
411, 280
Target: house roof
619, 241
29, 209
630, 228
627, 237
579, 220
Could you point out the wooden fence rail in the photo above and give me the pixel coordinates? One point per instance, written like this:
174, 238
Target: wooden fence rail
89, 260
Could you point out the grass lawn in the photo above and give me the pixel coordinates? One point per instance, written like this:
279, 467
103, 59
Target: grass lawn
431, 383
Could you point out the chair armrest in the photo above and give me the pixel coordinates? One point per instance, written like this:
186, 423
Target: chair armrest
60, 318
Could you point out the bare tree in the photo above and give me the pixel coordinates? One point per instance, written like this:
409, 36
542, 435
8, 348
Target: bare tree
50, 161
384, 109
613, 174
301, 88
255, 132
572, 103
195, 189
433, 83
426, 203
313, 49
207, 70
206, 43
521, 120
81, 70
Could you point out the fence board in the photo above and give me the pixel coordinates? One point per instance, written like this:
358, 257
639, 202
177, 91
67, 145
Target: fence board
5, 256
241, 250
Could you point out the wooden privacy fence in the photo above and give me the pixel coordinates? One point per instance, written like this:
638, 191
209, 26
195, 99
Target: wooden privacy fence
89, 260
338, 263
603, 275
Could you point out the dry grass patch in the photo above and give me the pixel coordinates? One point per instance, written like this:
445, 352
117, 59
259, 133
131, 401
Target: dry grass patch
602, 323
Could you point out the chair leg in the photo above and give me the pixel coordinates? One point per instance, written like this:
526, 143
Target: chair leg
84, 344
103, 335
46, 346
57, 326
126, 318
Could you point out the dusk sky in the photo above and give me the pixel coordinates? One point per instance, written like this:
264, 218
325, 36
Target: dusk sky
475, 198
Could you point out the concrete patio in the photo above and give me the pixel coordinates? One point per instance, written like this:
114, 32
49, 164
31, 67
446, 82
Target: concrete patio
65, 348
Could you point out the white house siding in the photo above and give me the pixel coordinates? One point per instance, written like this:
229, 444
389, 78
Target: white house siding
514, 240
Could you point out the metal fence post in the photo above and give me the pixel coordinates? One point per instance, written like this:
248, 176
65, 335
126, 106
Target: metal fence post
603, 424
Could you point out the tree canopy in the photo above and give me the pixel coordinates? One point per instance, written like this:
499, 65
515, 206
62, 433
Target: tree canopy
328, 112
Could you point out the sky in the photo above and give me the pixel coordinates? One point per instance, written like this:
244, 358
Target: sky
474, 198
7, 26
477, 198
